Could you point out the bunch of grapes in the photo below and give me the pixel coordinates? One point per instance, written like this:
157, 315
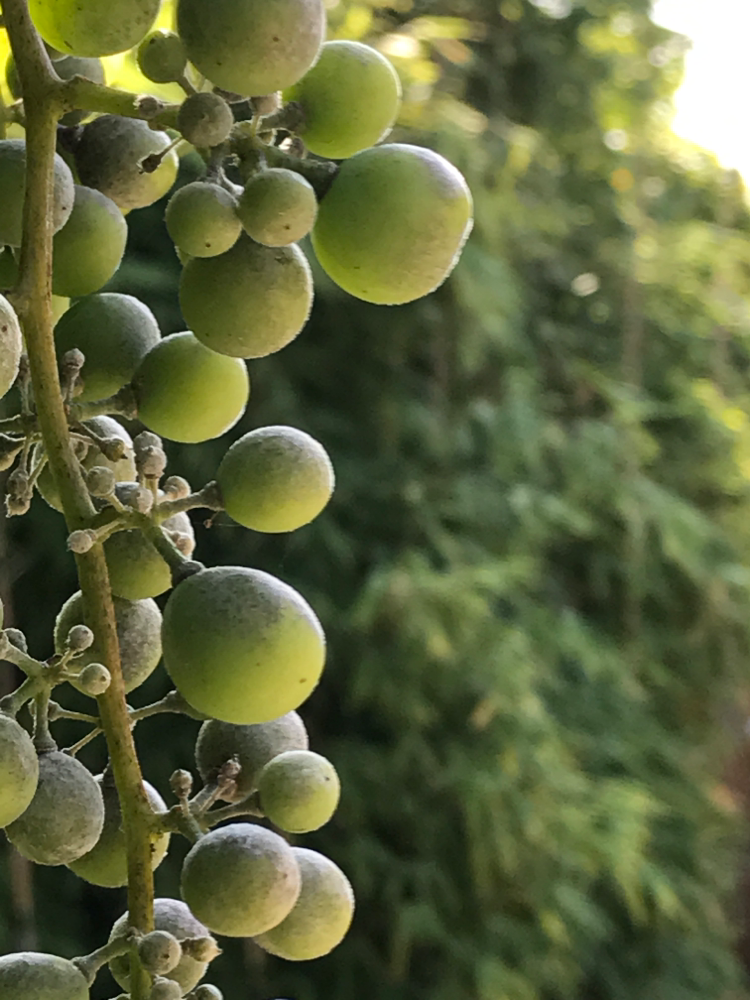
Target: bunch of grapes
288, 127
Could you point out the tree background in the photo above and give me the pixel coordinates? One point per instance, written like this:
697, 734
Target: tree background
533, 574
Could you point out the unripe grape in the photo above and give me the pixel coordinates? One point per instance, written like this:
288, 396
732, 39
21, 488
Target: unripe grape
100, 481
240, 645
115, 332
277, 207
136, 570
169, 915
13, 188
299, 791
66, 815
248, 302
94, 680
392, 224
240, 879
79, 638
11, 345
165, 989
81, 541
207, 992
138, 634
350, 99
266, 104
19, 770
252, 46
321, 916
275, 479
135, 496
205, 119
108, 157
90, 28
123, 468
201, 219
88, 249
161, 56
252, 746
32, 975
188, 393
176, 488
159, 952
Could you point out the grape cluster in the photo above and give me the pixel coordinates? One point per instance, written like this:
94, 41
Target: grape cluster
267, 99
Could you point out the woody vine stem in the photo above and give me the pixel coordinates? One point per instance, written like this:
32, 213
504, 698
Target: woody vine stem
46, 98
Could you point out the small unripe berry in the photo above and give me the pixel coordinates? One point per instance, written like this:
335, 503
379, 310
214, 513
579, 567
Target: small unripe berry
81, 542
16, 638
79, 638
161, 57
207, 992
202, 949
299, 791
94, 680
135, 496
31, 975
205, 119
159, 952
100, 481
181, 783
165, 989
176, 488
277, 207
266, 104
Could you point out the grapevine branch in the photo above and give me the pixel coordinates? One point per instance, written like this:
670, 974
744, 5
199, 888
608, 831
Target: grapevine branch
43, 104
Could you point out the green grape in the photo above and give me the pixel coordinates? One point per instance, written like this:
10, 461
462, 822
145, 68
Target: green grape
19, 769
106, 864
205, 119
66, 815
173, 916
240, 645
60, 305
159, 952
161, 56
277, 207
188, 393
138, 634
252, 747
9, 268
350, 99
13, 189
275, 479
66, 67
93, 28
202, 220
108, 157
32, 975
115, 332
11, 345
123, 468
240, 880
299, 791
392, 225
252, 46
136, 570
88, 249
321, 916
250, 301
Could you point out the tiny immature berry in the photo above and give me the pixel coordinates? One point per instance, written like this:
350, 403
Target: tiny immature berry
79, 638
94, 679
181, 783
165, 989
100, 481
81, 542
205, 119
176, 488
159, 952
161, 57
207, 992
202, 949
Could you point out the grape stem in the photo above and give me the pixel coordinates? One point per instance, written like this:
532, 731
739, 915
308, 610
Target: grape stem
45, 100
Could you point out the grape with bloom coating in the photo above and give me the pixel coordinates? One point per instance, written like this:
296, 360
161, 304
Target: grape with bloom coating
136, 570
88, 249
32, 975
240, 645
13, 189
19, 769
252, 747
299, 791
106, 864
252, 46
202, 220
392, 224
350, 99
115, 332
138, 635
108, 157
66, 815
161, 56
240, 880
91, 28
275, 479
159, 952
11, 345
248, 302
169, 915
205, 119
188, 393
321, 916
123, 468
277, 207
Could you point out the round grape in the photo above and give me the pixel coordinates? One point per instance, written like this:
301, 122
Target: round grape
13, 189
299, 791
136, 570
32, 975
11, 345
91, 28
88, 249
277, 207
202, 220
205, 119
161, 56
19, 770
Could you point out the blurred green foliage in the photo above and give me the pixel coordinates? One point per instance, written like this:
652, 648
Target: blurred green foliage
534, 572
